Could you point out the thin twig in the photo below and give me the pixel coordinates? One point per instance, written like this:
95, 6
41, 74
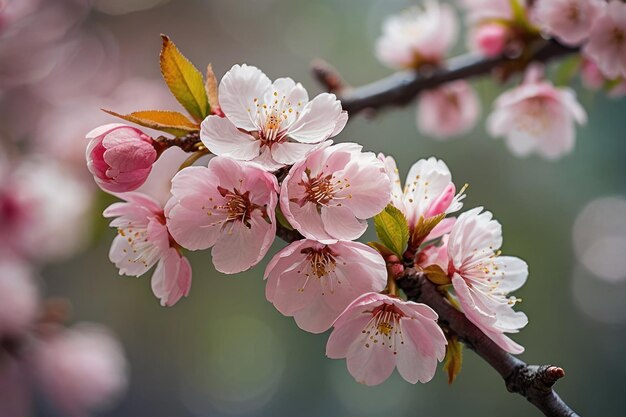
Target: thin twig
402, 87
534, 382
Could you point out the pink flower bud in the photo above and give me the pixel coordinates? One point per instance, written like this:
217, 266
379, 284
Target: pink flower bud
120, 157
491, 39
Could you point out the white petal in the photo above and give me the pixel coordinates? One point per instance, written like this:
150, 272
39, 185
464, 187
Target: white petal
222, 137
238, 89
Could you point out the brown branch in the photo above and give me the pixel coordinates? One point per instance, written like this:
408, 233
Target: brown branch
402, 87
534, 382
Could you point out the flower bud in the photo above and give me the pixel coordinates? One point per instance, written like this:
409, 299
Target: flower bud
120, 157
491, 39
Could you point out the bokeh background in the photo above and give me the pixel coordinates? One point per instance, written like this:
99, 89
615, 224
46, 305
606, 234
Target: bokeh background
225, 351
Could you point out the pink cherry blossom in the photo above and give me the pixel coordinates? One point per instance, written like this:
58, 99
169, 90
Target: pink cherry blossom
419, 35
378, 333
482, 279
19, 298
537, 117
569, 21
448, 111
490, 39
120, 157
229, 206
607, 40
428, 191
330, 194
143, 241
81, 369
271, 124
435, 254
315, 282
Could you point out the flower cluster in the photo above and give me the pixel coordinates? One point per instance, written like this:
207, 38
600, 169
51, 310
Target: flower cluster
271, 166
535, 117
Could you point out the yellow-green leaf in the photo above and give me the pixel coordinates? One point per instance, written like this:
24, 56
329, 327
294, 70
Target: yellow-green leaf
184, 80
436, 275
454, 359
423, 228
166, 121
392, 229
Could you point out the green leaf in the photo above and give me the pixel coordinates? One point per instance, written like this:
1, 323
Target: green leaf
171, 122
282, 219
436, 275
423, 228
454, 359
567, 70
520, 16
184, 80
392, 229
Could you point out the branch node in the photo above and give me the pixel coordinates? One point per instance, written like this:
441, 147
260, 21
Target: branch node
328, 76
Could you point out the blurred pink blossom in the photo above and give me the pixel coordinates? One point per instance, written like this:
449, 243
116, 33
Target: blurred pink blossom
607, 40
537, 117
271, 124
378, 333
329, 195
143, 241
418, 35
120, 157
448, 111
19, 298
569, 21
81, 369
482, 279
315, 282
229, 206
41, 206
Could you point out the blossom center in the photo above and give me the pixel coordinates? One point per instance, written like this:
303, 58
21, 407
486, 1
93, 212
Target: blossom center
384, 327
271, 119
321, 261
237, 205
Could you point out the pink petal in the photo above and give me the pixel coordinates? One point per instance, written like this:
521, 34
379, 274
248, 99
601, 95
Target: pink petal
317, 120
222, 137
237, 91
340, 223
172, 278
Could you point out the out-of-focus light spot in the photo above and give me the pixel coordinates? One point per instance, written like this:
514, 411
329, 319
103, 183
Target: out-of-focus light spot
388, 398
600, 300
599, 238
117, 7
237, 369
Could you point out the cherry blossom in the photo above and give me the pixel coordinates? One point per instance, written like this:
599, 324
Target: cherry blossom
428, 191
482, 278
229, 206
19, 298
81, 369
418, 36
448, 111
271, 124
120, 157
537, 117
143, 241
569, 21
315, 282
329, 195
378, 333
607, 40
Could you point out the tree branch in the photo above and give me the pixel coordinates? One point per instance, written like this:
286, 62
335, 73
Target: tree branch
402, 87
534, 382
